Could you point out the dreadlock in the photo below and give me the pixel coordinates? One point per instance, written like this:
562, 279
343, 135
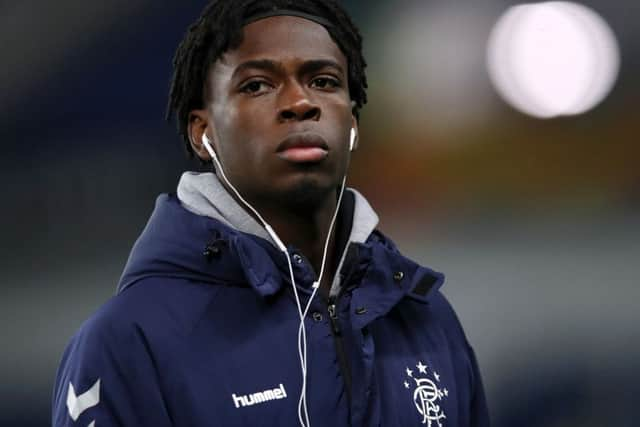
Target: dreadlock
219, 29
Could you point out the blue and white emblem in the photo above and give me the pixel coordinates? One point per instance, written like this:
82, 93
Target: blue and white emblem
427, 396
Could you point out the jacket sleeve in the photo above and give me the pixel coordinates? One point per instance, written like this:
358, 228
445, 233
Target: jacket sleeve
107, 378
478, 411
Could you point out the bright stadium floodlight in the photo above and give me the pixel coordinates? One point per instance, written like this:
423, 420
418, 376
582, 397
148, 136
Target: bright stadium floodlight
552, 59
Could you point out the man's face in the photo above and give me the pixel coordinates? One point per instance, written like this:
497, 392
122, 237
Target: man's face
279, 112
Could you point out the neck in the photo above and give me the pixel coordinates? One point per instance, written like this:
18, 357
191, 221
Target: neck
301, 221
307, 230
303, 224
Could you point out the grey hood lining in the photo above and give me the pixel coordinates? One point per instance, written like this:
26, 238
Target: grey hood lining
204, 194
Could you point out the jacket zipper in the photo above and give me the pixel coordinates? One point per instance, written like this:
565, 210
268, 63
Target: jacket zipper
337, 335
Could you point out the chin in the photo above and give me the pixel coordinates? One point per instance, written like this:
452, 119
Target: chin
307, 194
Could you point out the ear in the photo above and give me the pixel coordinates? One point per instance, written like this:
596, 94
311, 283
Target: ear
354, 125
198, 125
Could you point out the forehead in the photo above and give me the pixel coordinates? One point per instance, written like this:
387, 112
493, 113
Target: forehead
284, 38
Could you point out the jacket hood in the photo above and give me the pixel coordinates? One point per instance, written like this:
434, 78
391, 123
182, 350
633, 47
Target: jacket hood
204, 221
204, 194
203, 235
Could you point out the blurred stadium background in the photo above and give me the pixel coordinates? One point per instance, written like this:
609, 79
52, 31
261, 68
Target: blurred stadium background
534, 221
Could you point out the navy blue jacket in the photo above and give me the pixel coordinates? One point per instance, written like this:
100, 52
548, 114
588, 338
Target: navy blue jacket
203, 332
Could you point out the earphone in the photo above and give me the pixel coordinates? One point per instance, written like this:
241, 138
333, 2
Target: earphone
303, 414
352, 139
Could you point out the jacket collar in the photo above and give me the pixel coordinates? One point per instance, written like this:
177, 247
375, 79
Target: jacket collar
206, 236
386, 277
204, 194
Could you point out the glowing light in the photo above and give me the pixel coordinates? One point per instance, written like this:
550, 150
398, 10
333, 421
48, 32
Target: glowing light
552, 59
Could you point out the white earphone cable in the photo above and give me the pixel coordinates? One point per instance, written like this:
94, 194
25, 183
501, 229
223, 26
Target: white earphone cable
303, 414
302, 338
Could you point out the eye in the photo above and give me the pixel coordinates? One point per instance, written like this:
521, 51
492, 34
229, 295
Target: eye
325, 83
255, 87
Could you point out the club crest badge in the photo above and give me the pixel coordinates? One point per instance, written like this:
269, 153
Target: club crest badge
427, 395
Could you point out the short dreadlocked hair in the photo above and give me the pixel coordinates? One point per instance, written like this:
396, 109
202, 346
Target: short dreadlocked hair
219, 29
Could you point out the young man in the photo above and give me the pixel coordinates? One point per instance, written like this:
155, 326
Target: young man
262, 294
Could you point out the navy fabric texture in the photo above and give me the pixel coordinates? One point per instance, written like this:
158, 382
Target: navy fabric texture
203, 332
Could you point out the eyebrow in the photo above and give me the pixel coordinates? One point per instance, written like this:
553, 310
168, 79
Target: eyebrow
269, 65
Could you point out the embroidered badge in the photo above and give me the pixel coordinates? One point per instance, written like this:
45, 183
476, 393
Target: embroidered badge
427, 396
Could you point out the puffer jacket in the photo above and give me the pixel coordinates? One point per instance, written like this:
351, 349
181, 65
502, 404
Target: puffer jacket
203, 331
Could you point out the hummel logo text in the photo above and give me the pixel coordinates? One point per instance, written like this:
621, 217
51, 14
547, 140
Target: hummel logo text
260, 397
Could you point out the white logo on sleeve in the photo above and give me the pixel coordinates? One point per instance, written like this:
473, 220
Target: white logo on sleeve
78, 404
259, 397
427, 396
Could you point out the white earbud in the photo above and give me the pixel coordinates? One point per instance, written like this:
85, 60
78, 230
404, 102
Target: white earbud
352, 140
207, 145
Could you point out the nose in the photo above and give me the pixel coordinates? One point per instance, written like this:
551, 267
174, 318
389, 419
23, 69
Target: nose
297, 105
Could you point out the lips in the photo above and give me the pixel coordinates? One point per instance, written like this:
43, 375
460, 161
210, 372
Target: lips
303, 148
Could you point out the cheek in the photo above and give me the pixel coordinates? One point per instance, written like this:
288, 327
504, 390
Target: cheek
342, 117
341, 108
241, 136
229, 126
245, 118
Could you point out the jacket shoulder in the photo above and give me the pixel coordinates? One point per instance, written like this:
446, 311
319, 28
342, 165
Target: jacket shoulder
110, 356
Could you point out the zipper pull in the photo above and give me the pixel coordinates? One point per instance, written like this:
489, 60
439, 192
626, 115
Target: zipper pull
333, 316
